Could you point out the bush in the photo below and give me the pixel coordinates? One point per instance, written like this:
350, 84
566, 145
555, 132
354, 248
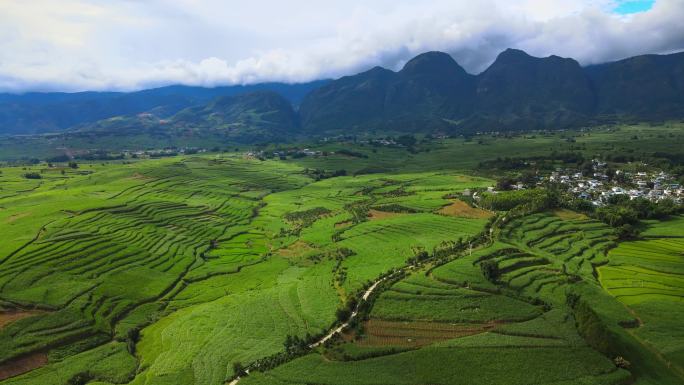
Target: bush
351, 153
490, 270
627, 232
620, 362
616, 216
80, 378
407, 140
239, 369
507, 200
505, 184
592, 329
33, 175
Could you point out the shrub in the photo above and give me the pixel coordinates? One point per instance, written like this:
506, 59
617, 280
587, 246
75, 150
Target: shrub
490, 270
80, 378
620, 362
239, 369
616, 216
593, 330
351, 153
627, 231
507, 200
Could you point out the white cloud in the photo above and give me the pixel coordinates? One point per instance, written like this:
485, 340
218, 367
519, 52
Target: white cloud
89, 44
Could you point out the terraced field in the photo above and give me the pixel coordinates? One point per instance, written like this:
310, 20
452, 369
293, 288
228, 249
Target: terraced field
451, 324
169, 271
647, 276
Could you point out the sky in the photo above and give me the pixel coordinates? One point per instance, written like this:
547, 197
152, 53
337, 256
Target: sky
123, 45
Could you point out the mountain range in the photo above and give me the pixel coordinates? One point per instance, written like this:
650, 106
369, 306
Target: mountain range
431, 93
517, 91
37, 112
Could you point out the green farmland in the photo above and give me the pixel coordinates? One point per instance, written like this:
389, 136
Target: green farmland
172, 270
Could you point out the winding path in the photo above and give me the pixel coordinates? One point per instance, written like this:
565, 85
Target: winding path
372, 288
340, 328
353, 315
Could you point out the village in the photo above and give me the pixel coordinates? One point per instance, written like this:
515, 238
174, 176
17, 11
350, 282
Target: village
601, 183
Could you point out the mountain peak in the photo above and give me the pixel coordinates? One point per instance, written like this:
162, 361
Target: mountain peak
512, 55
433, 62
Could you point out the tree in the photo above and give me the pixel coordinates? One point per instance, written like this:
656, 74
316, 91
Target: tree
342, 314
616, 216
490, 270
73, 165
528, 178
80, 378
627, 231
621, 362
665, 207
239, 369
407, 140
504, 184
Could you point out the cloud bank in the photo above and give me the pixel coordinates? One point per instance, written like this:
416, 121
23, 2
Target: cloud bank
74, 45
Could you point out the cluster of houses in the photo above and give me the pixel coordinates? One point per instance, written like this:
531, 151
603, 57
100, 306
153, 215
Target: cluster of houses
298, 153
155, 153
599, 187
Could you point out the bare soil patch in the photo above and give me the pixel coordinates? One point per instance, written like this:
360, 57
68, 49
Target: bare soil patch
22, 365
416, 334
569, 215
7, 317
461, 209
295, 250
15, 217
342, 224
464, 178
140, 176
377, 214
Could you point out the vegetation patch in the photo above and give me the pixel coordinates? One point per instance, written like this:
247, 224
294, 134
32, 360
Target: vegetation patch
15, 217
569, 215
297, 249
458, 208
374, 214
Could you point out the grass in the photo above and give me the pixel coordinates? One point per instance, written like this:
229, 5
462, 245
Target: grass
457, 365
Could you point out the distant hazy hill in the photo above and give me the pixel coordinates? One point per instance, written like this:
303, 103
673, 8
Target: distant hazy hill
246, 117
517, 91
52, 112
